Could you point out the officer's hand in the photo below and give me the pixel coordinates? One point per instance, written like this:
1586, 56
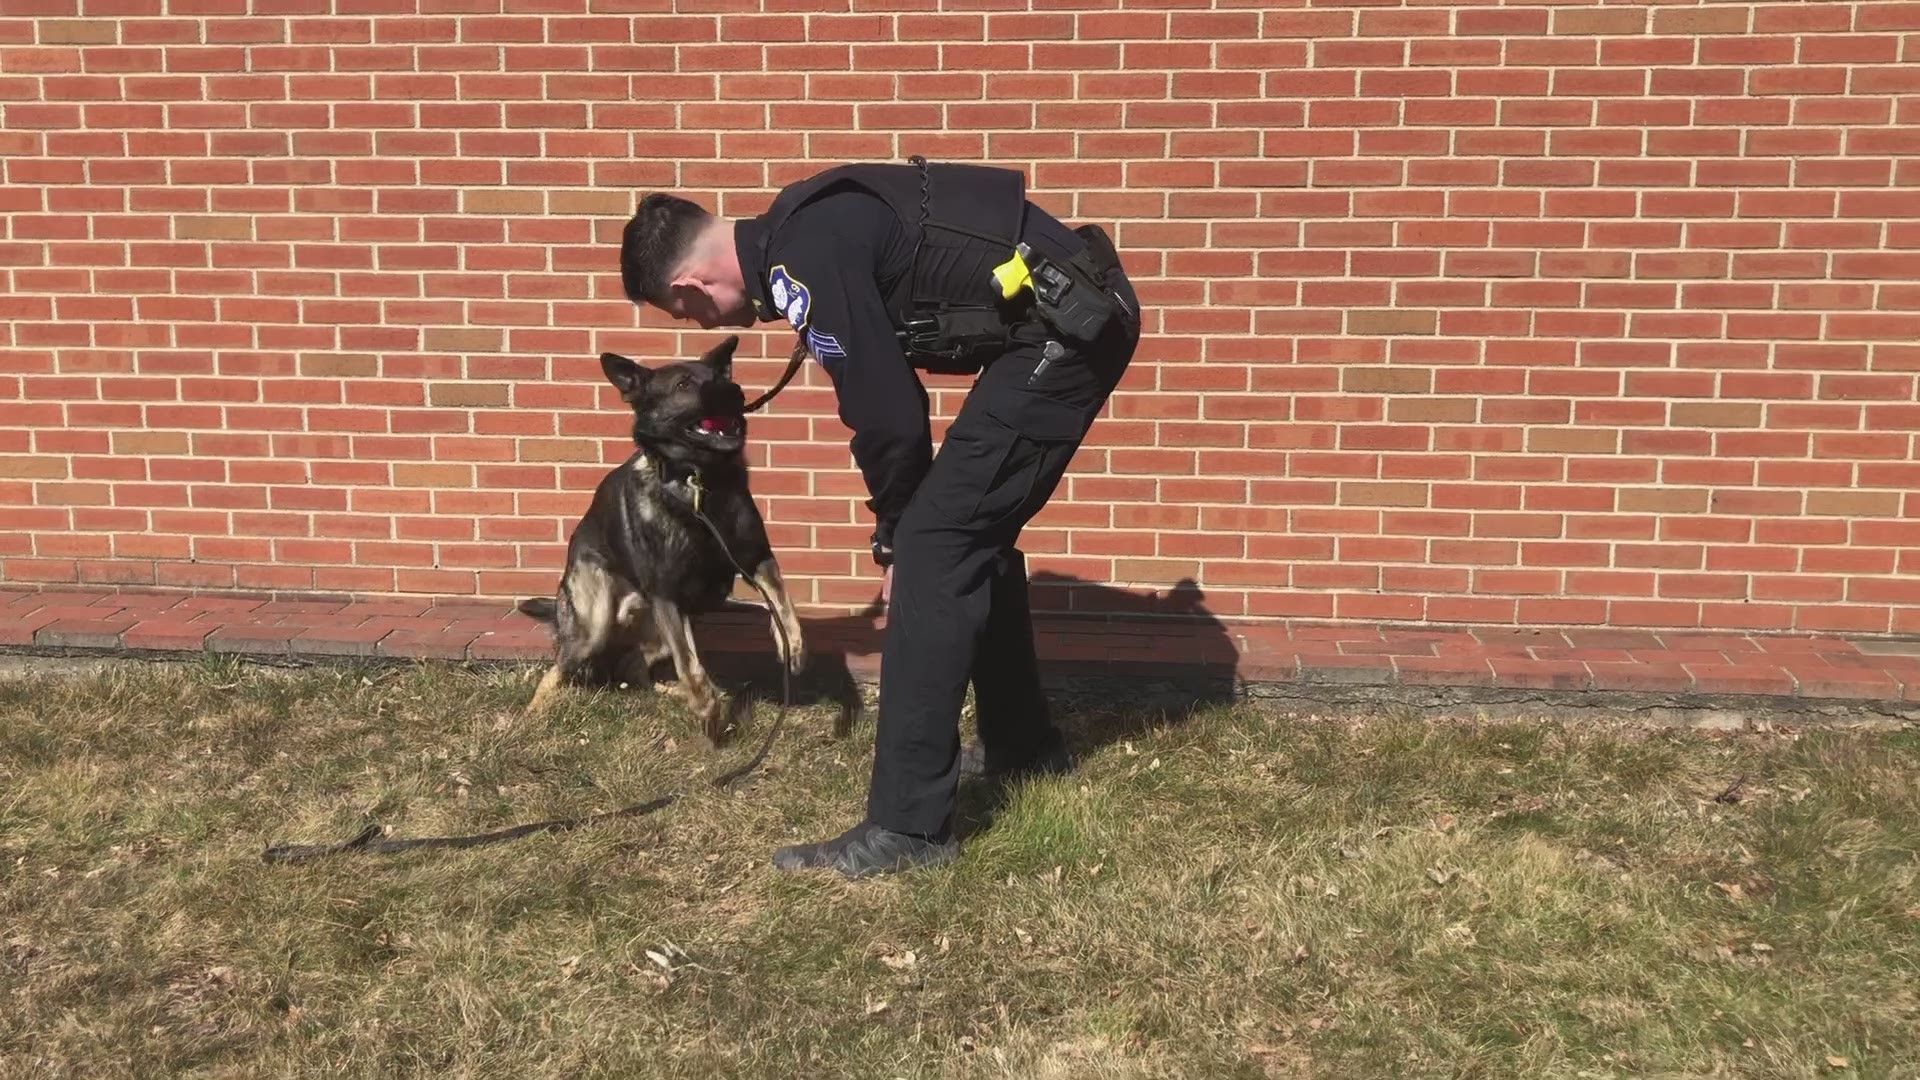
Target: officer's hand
886, 588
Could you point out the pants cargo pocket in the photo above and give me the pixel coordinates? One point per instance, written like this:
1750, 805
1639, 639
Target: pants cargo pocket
984, 474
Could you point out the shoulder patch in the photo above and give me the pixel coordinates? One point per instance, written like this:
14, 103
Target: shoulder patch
790, 295
824, 345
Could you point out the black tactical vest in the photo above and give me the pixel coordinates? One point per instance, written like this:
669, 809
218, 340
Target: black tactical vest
968, 218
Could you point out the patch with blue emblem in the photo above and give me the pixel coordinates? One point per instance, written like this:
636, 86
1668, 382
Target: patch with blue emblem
824, 345
790, 295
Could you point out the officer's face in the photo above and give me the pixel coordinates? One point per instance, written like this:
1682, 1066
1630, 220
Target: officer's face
711, 304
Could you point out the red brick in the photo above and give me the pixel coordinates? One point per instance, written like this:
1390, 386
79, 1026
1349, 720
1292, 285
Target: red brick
1820, 679
513, 645
252, 638
166, 635
1329, 667
20, 629
83, 633
1636, 677
1541, 674
339, 640
1442, 671
1740, 679
426, 645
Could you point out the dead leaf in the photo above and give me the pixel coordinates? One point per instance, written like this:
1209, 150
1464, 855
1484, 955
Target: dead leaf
569, 966
900, 961
1154, 765
1300, 954
1748, 1044
1026, 939
946, 945
1761, 947
875, 1008
1733, 889
1444, 822
1439, 876
660, 959
1837, 1062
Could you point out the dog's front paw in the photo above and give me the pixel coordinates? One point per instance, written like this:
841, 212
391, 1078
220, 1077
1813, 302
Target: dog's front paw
724, 718
798, 660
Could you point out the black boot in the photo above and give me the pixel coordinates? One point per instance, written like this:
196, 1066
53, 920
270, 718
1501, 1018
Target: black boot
866, 850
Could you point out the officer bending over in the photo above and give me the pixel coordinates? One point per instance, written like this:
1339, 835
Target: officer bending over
886, 269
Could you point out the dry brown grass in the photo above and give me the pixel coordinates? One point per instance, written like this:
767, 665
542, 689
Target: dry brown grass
1236, 894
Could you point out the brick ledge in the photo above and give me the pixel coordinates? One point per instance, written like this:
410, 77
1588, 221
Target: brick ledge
1688, 664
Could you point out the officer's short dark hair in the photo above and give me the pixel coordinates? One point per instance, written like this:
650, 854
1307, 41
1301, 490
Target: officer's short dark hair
656, 242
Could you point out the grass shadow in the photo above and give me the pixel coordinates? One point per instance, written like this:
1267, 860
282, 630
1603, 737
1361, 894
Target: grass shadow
1115, 665
1164, 656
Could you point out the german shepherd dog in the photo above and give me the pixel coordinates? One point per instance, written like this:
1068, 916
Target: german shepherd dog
640, 563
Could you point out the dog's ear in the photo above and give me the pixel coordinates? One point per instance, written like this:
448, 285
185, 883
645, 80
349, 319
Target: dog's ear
720, 357
626, 376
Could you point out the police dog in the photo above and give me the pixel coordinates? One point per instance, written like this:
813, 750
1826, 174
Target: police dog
641, 563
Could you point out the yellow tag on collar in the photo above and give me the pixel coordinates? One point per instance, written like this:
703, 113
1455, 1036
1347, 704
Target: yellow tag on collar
697, 490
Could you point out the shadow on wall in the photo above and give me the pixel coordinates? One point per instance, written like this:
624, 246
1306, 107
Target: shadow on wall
1128, 661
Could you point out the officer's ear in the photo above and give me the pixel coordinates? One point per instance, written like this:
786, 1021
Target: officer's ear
720, 357
626, 376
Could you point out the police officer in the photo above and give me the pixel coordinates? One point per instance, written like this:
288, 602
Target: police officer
885, 270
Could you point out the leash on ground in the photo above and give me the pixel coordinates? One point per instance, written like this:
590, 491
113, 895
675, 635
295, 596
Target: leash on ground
370, 839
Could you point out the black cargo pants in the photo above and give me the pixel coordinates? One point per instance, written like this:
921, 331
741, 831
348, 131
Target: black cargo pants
959, 610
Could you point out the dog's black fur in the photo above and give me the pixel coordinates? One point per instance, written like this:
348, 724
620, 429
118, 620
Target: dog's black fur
641, 563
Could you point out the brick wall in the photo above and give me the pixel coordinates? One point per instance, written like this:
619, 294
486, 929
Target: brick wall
1572, 313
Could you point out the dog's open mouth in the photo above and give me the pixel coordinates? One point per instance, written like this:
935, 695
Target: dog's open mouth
718, 428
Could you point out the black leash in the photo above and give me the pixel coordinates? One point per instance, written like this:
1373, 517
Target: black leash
798, 358
370, 840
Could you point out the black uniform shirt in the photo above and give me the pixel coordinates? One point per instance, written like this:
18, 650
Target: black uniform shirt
829, 273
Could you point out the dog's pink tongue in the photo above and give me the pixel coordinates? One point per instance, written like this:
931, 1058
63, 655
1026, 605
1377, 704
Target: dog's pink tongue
711, 423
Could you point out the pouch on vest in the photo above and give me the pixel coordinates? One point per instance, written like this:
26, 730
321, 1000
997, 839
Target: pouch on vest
955, 341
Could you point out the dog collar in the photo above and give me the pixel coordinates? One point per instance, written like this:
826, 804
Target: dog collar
690, 488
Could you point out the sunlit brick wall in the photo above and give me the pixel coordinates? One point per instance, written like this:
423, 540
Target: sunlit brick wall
1462, 312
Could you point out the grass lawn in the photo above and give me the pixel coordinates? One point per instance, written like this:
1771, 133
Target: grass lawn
1234, 893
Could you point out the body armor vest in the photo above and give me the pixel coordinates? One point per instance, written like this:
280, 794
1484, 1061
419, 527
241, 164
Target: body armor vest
967, 217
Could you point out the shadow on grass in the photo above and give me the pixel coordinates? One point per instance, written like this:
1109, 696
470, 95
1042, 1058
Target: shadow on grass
1115, 664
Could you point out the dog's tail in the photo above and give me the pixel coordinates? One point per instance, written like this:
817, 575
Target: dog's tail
541, 608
